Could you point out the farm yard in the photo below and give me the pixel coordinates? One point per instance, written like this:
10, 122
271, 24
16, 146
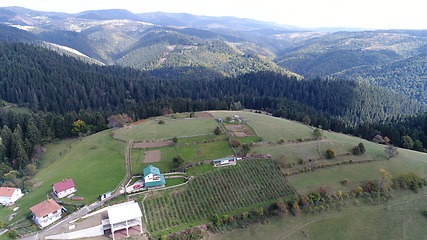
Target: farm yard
233, 189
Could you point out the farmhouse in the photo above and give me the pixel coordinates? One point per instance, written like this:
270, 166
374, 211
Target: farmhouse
46, 212
8, 196
122, 217
224, 162
153, 177
63, 188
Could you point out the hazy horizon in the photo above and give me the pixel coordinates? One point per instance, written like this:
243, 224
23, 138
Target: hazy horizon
363, 14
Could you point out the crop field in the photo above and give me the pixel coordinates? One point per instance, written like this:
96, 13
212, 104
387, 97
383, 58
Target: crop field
152, 130
224, 190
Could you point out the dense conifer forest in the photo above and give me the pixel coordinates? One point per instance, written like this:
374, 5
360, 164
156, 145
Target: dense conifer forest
61, 90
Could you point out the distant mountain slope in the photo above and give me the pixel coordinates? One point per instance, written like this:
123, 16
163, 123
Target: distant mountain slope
407, 76
391, 59
45, 80
120, 37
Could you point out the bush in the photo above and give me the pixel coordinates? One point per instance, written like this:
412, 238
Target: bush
330, 153
356, 150
344, 181
217, 131
410, 180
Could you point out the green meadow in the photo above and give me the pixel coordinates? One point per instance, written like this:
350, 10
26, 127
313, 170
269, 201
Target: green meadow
95, 163
151, 130
191, 153
398, 219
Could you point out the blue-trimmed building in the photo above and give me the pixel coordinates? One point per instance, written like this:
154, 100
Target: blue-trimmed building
153, 177
224, 162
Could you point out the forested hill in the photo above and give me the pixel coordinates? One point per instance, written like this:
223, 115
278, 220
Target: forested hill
48, 81
61, 90
394, 59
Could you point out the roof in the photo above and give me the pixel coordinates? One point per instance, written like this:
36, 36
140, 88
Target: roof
123, 212
7, 191
45, 207
162, 181
151, 169
64, 185
223, 159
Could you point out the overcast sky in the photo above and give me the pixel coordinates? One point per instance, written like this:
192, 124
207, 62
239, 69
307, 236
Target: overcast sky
372, 14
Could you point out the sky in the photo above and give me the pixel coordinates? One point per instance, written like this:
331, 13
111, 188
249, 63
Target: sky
368, 14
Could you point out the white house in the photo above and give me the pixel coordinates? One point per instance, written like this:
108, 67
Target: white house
46, 212
8, 196
63, 188
224, 162
125, 218
153, 177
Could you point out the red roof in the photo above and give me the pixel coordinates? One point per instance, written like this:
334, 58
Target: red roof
64, 185
7, 191
45, 207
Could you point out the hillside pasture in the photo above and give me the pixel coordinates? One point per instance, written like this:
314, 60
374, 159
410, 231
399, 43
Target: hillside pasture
150, 130
357, 174
95, 163
400, 218
270, 129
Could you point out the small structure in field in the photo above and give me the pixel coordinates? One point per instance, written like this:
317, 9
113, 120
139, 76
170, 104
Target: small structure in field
153, 177
63, 188
224, 162
9, 196
104, 196
46, 212
123, 216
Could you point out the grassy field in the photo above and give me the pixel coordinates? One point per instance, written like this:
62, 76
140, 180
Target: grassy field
223, 190
151, 130
400, 218
271, 129
96, 164
191, 153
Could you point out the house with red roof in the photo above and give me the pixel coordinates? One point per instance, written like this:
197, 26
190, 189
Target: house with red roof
63, 188
46, 212
9, 196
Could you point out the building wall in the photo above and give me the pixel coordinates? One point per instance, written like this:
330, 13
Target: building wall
152, 178
5, 200
66, 192
48, 219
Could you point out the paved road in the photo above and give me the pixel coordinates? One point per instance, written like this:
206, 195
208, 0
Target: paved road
81, 212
